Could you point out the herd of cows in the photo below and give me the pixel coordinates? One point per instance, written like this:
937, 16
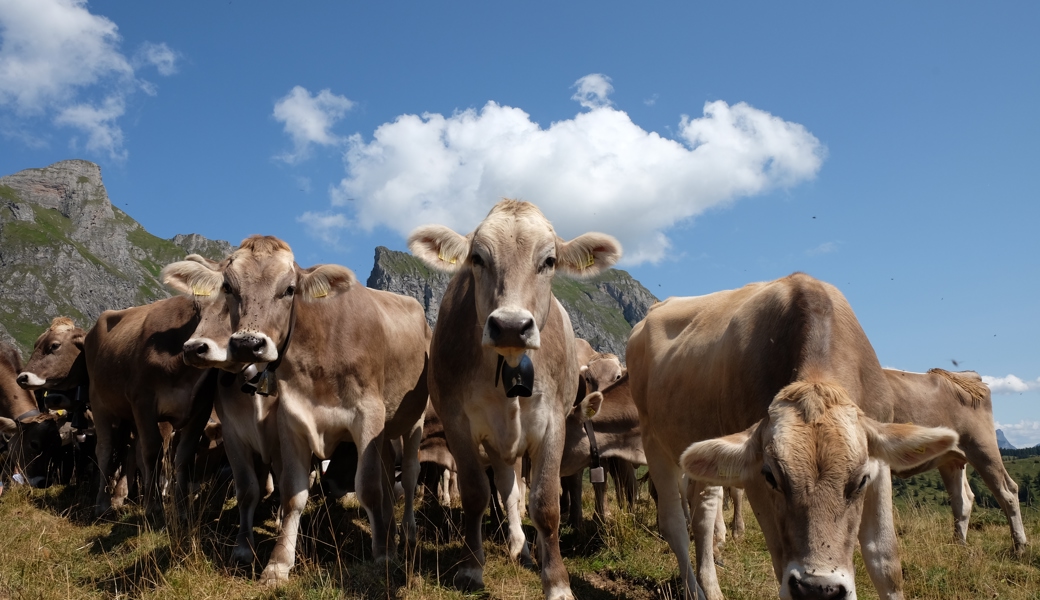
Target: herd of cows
772, 388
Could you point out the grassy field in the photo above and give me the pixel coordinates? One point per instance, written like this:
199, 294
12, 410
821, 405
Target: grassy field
50, 548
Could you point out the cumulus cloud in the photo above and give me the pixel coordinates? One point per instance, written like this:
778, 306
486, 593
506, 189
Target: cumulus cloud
326, 226
309, 119
56, 54
598, 171
1024, 434
1010, 384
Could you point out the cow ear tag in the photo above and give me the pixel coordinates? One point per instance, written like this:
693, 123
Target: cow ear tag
519, 380
597, 476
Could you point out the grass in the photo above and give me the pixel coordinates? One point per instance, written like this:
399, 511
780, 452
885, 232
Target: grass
52, 549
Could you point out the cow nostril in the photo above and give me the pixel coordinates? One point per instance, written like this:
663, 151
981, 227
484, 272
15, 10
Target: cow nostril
494, 328
258, 344
526, 328
23, 378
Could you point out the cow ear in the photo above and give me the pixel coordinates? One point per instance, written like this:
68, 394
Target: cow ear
77, 338
192, 278
905, 446
728, 461
325, 280
8, 426
439, 247
587, 255
589, 406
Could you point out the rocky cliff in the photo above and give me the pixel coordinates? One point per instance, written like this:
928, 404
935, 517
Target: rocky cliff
602, 310
66, 250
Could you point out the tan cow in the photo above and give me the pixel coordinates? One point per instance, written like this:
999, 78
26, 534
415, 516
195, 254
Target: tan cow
774, 387
503, 371
351, 366
34, 441
961, 402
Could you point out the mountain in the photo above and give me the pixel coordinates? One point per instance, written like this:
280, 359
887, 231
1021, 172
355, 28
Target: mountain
66, 250
1002, 442
602, 309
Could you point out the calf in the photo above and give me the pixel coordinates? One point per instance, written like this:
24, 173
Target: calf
774, 387
503, 371
339, 361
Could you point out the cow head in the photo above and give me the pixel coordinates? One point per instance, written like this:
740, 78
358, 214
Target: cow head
601, 371
818, 453
33, 444
513, 255
57, 361
249, 300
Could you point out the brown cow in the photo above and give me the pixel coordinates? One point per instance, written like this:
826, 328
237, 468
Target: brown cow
961, 402
784, 371
351, 366
500, 320
34, 435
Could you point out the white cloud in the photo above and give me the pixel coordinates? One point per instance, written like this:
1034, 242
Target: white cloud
652, 100
325, 226
1010, 384
598, 171
1024, 434
309, 119
158, 55
55, 54
593, 91
824, 248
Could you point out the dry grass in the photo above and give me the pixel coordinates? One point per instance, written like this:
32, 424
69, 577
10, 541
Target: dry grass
49, 548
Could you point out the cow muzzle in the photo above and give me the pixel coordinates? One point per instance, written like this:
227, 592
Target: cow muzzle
830, 586
250, 347
511, 332
30, 381
203, 352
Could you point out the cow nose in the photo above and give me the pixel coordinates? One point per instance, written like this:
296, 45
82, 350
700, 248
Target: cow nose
246, 346
22, 379
196, 347
802, 589
511, 330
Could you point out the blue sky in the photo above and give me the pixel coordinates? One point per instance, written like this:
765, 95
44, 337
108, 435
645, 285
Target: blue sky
887, 148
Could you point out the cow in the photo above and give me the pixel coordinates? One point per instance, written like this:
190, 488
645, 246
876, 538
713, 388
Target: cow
35, 440
774, 387
503, 371
351, 366
612, 416
960, 401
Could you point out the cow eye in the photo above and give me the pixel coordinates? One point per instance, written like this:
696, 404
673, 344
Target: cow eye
476, 260
289, 291
54, 346
617, 377
550, 263
226, 288
768, 474
851, 493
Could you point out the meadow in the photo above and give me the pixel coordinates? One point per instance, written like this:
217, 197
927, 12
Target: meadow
50, 547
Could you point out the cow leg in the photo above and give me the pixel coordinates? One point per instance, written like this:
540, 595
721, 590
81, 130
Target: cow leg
149, 449
545, 512
877, 537
473, 482
509, 489
665, 474
737, 496
292, 485
370, 483
624, 474
720, 530
190, 436
600, 492
705, 507
954, 479
410, 480
105, 426
571, 485
247, 494
990, 466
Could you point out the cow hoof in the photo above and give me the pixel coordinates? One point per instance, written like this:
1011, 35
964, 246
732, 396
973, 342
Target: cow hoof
274, 575
242, 555
560, 593
469, 579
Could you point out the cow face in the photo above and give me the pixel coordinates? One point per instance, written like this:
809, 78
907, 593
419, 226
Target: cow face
602, 370
512, 256
249, 300
818, 454
57, 358
34, 443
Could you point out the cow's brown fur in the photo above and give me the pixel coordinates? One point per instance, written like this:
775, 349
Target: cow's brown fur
34, 439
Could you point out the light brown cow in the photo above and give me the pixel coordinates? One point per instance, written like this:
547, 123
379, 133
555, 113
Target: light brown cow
351, 366
34, 435
499, 307
137, 376
784, 372
960, 401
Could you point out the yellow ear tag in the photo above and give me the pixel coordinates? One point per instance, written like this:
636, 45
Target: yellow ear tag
321, 294
196, 290
590, 412
591, 260
920, 450
724, 474
441, 257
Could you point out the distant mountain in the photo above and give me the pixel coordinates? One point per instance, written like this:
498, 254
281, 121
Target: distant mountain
65, 250
1002, 442
602, 309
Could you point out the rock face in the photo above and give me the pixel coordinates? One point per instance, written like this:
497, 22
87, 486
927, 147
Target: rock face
65, 250
602, 310
1002, 441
